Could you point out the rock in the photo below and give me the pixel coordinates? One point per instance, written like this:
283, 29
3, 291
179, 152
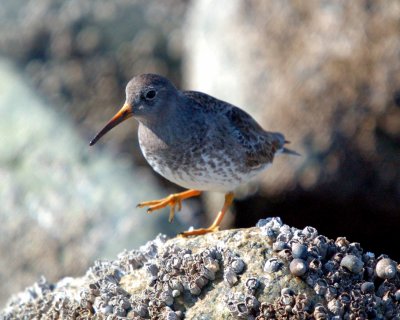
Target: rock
186, 278
63, 204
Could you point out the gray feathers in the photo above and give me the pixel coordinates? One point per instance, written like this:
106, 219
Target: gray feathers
200, 142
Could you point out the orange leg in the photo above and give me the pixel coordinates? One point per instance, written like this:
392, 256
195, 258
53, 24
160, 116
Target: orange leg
172, 200
215, 225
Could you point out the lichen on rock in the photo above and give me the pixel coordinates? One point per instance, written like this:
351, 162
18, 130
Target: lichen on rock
272, 271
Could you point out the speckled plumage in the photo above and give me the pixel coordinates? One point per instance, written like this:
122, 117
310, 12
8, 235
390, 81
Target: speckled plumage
205, 143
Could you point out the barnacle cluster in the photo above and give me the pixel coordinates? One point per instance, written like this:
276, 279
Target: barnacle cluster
174, 276
272, 271
348, 282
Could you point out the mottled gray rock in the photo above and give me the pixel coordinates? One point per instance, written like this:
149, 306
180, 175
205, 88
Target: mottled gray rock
217, 276
62, 204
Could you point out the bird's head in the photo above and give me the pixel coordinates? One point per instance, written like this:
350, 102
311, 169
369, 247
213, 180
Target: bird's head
148, 97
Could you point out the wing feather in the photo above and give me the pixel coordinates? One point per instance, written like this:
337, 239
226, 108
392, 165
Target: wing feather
260, 146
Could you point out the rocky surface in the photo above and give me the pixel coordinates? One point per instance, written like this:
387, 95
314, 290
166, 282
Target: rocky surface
272, 271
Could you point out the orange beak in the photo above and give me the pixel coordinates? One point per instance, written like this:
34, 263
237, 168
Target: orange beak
122, 115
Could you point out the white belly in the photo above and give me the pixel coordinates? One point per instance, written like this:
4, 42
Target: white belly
205, 175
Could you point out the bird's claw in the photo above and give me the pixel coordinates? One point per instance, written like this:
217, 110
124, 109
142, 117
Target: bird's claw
179, 202
171, 214
197, 232
173, 201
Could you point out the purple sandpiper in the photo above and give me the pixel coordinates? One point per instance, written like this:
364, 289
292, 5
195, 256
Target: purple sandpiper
196, 141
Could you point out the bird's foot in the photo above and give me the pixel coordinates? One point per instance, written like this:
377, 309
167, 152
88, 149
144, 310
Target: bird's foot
215, 226
172, 200
197, 232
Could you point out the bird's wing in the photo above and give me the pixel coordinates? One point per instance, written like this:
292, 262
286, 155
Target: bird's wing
260, 145
205, 102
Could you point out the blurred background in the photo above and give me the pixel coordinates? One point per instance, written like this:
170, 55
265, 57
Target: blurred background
327, 74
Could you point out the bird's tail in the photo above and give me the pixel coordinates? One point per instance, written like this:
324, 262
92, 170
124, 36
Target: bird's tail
281, 142
291, 152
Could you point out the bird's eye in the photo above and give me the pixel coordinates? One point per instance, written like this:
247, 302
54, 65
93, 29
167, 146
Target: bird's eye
149, 95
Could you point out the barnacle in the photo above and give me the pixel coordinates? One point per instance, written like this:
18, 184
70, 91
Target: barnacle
273, 265
252, 284
352, 263
321, 287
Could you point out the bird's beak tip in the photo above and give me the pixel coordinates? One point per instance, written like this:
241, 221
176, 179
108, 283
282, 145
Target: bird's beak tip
124, 113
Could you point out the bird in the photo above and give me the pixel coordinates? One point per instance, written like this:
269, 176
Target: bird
196, 141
